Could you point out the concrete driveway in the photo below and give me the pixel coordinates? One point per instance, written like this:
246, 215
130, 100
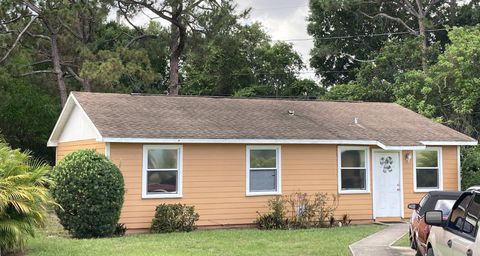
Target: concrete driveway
379, 244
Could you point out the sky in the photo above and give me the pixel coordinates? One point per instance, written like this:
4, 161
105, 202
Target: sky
281, 19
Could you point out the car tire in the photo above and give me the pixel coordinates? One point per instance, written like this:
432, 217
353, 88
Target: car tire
430, 252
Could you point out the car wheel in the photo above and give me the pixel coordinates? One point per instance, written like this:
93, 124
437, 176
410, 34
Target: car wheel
430, 252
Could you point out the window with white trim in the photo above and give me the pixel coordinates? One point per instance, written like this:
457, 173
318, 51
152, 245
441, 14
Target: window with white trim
162, 171
427, 169
263, 170
353, 169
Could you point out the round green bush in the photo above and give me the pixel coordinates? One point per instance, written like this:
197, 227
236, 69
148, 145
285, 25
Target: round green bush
90, 190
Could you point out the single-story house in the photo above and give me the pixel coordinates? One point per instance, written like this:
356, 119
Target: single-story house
229, 156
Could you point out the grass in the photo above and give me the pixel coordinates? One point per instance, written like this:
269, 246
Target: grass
332, 241
404, 241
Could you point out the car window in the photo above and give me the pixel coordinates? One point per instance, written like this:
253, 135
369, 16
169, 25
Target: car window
445, 205
457, 218
422, 203
472, 214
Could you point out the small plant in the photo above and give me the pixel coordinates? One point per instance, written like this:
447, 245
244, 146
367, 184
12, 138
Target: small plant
90, 190
346, 220
120, 230
303, 210
174, 217
332, 221
275, 219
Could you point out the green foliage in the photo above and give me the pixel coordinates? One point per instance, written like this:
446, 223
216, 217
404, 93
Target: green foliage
174, 217
276, 218
450, 90
299, 210
470, 167
90, 190
24, 197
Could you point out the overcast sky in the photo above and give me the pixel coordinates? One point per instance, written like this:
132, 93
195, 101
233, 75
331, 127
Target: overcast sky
281, 19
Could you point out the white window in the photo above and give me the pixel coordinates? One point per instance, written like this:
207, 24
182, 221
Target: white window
263, 170
428, 169
353, 171
162, 171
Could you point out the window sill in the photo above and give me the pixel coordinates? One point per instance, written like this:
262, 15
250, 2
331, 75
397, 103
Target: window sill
264, 193
425, 190
346, 192
164, 196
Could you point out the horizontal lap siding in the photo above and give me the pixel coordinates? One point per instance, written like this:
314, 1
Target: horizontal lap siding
450, 176
64, 148
214, 180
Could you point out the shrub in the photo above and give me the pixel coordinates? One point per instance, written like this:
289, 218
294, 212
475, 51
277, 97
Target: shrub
24, 197
90, 189
275, 219
174, 217
304, 211
120, 230
470, 167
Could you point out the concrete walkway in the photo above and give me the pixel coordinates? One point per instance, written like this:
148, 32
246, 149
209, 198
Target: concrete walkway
379, 244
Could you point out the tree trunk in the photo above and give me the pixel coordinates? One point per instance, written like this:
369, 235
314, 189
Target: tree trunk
174, 61
57, 69
424, 46
86, 85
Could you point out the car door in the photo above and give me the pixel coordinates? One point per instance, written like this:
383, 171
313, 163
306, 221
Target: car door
463, 244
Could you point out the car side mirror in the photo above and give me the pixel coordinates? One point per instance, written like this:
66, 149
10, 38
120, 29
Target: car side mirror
434, 218
413, 206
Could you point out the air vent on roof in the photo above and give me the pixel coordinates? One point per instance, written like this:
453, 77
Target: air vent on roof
291, 112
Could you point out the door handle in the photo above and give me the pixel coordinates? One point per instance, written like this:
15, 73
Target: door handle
449, 243
469, 252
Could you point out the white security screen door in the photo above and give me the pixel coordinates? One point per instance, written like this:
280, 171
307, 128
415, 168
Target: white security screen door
387, 194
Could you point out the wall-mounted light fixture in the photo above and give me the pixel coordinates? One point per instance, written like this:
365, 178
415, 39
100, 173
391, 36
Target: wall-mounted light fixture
408, 157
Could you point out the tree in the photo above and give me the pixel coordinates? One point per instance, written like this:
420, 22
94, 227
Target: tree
450, 90
24, 197
349, 32
183, 16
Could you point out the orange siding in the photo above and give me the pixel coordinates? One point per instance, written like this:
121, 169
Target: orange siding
450, 176
214, 180
65, 148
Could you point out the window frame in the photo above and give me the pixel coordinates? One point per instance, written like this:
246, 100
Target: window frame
439, 168
367, 170
278, 150
179, 170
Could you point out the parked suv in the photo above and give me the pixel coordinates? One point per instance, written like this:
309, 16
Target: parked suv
457, 235
418, 229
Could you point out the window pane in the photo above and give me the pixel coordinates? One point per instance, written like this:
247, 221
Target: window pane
263, 158
162, 159
426, 158
161, 181
353, 158
427, 178
474, 208
445, 206
353, 179
263, 180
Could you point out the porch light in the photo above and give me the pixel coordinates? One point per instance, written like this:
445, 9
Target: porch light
408, 157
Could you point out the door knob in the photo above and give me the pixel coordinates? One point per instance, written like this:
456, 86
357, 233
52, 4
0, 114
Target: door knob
469, 252
449, 243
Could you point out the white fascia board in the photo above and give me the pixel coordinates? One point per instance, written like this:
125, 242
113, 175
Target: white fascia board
239, 141
450, 143
63, 118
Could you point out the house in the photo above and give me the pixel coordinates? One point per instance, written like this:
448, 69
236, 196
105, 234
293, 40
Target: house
228, 156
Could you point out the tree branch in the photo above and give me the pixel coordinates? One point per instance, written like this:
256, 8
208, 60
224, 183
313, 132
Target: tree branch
398, 20
38, 72
409, 7
430, 6
17, 40
32, 7
39, 36
15, 19
77, 77
69, 29
140, 38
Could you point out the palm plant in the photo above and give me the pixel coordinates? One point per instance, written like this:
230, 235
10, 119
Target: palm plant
24, 197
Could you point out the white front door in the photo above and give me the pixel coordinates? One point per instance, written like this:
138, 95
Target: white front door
387, 197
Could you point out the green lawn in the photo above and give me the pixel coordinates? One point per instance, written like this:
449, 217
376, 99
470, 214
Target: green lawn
332, 241
403, 242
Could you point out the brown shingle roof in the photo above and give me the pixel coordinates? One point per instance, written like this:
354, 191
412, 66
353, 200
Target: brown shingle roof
180, 117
